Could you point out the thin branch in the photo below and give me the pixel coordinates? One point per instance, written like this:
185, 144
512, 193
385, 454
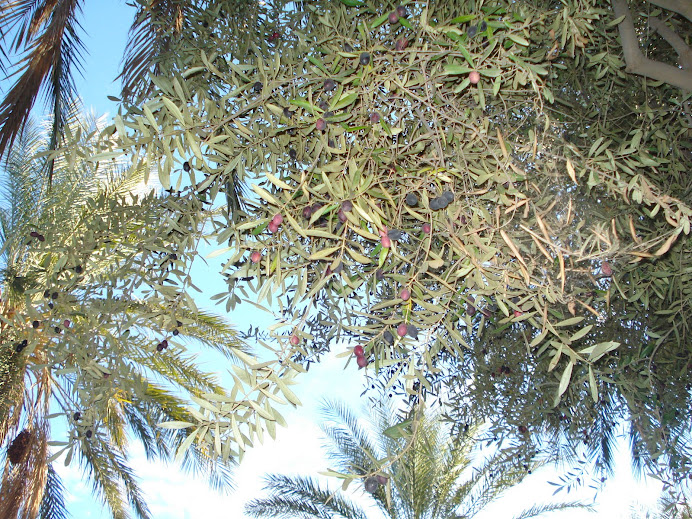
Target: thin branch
683, 7
675, 41
635, 61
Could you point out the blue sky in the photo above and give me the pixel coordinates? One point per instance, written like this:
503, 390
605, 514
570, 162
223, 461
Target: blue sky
174, 495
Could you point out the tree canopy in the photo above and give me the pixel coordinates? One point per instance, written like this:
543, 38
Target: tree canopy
482, 196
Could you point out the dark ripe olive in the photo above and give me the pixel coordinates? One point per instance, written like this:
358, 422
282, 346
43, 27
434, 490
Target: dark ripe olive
321, 124
412, 331
323, 105
388, 337
76, 416
448, 196
401, 12
364, 58
159, 347
471, 30
36, 324
33, 234
347, 206
78, 269
186, 167
374, 118
287, 113
328, 114
89, 433
395, 234
411, 199
483, 26
401, 44
329, 85
435, 204
371, 484
175, 332
54, 295
393, 17
379, 274
307, 212
292, 153
257, 87
347, 48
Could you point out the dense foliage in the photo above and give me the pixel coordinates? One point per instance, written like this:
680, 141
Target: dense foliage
480, 195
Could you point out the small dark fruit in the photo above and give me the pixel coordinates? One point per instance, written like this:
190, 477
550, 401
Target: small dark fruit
358, 351
159, 347
255, 257
278, 219
388, 337
405, 294
483, 26
34, 234
448, 196
371, 484
364, 58
186, 167
347, 206
57, 329
307, 212
287, 113
374, 118
89, 433
175, 332
294, 340
46, 294
342, 216
321, 124
41, 237
471, 30
382, 480
401, 44
36, 324
379, 274
411, 199
395, 234
257, 87
393, 17
401, 329
292, 154
54, 295
401, 11
348, 48
78, 269
523, 429
606, 269
76, 416
329, 85
412, 331
426, 228
362, 362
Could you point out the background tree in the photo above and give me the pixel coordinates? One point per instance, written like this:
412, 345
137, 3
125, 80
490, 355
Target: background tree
93, 354
411, 466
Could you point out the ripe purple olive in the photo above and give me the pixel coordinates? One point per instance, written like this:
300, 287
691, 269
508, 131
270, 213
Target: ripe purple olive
76, 416
382, 480
342, 216
401, 11
393, 17
401, 44
412, 331
255, 257
307, 212
329, 85
294, 340
287, 113
36, 324
278, 219
89, 433
273, 227
292, 154
374, 118
388, 337
371, 484
386, 241
362, 362
606, 269
364, 58
401, 329
426, 228
33, 234
257, 87
405, 294
321, 124
358, 351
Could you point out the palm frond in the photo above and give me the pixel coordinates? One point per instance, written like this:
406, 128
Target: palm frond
110, 475
353, 447
53, 502
50, 35
302, 497
545, 508
156, 25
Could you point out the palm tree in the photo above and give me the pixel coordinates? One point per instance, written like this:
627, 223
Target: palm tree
77, 346
41, 41
411, 468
